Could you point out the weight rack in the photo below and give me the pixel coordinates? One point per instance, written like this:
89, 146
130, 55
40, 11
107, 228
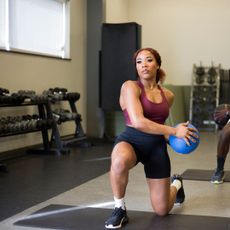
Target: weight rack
204, 96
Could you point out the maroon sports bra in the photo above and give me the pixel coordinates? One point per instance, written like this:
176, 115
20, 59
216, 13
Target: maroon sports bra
157, 112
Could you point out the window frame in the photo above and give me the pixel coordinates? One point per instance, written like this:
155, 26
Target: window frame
63, 51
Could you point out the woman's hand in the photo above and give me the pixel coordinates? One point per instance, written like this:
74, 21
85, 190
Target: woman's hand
187, 133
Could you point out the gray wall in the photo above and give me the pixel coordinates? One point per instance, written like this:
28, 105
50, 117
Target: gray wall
95, 121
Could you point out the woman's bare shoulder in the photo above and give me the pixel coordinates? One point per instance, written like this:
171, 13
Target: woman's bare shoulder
129, 90
169, 94
129, 84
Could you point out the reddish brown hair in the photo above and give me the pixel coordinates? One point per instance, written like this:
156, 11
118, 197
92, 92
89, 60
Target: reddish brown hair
160, 72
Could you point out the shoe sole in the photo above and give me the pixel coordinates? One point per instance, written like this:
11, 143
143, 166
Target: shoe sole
218, 182
178, 204
123, 222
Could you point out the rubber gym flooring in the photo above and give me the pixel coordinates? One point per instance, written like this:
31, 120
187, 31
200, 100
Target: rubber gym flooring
73, 192
34, 178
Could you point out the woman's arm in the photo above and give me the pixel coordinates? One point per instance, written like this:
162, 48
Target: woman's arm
129, 100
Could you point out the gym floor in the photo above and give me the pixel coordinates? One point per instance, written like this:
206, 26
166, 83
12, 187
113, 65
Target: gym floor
81, 179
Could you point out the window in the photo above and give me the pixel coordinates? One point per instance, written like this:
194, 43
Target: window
35, 26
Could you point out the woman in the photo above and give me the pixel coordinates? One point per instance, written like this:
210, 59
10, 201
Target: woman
146, 107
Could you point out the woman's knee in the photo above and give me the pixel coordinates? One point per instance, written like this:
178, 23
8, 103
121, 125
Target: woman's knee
161, 210
160, 195
119, 165
123, 158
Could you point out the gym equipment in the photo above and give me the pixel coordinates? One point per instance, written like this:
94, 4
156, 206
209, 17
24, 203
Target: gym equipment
72, 96
179, 145
221, 115
204, 96
62, 115
78, 219
45, 120
4, 91
212, 74
224, 86
53, 95
15, 125
202, 175
122, 40
200, 72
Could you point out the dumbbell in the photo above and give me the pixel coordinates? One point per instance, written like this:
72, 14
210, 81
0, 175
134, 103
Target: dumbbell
72, 96
212, 74
52, 97
58, 90
200, 72
17, 98
4, 91
39, 98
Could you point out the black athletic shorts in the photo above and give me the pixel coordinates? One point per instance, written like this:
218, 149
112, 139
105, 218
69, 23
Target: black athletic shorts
151, 151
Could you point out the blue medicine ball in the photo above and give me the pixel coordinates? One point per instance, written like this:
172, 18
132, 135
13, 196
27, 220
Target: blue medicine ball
179, 145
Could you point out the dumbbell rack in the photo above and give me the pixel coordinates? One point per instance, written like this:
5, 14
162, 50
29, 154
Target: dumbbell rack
45, 122
204, 96
77, 137
43, 115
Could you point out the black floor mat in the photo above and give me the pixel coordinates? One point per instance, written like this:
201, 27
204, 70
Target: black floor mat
203, 175
35, 178
93, 219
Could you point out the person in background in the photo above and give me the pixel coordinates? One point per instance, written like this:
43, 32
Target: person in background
222, 119
145, 104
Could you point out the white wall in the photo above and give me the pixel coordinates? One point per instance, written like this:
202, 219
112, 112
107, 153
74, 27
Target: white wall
116, 11
184, 32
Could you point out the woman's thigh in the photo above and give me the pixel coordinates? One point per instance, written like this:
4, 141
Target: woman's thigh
159, 192
124, 154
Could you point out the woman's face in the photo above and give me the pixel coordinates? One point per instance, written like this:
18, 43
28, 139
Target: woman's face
146, 65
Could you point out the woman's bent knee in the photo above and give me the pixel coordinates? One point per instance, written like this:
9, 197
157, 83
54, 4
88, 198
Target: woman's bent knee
161, 212
119, 166
161, 209
123, 157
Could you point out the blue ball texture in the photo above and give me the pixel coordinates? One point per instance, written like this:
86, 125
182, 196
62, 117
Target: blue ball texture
179, 145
